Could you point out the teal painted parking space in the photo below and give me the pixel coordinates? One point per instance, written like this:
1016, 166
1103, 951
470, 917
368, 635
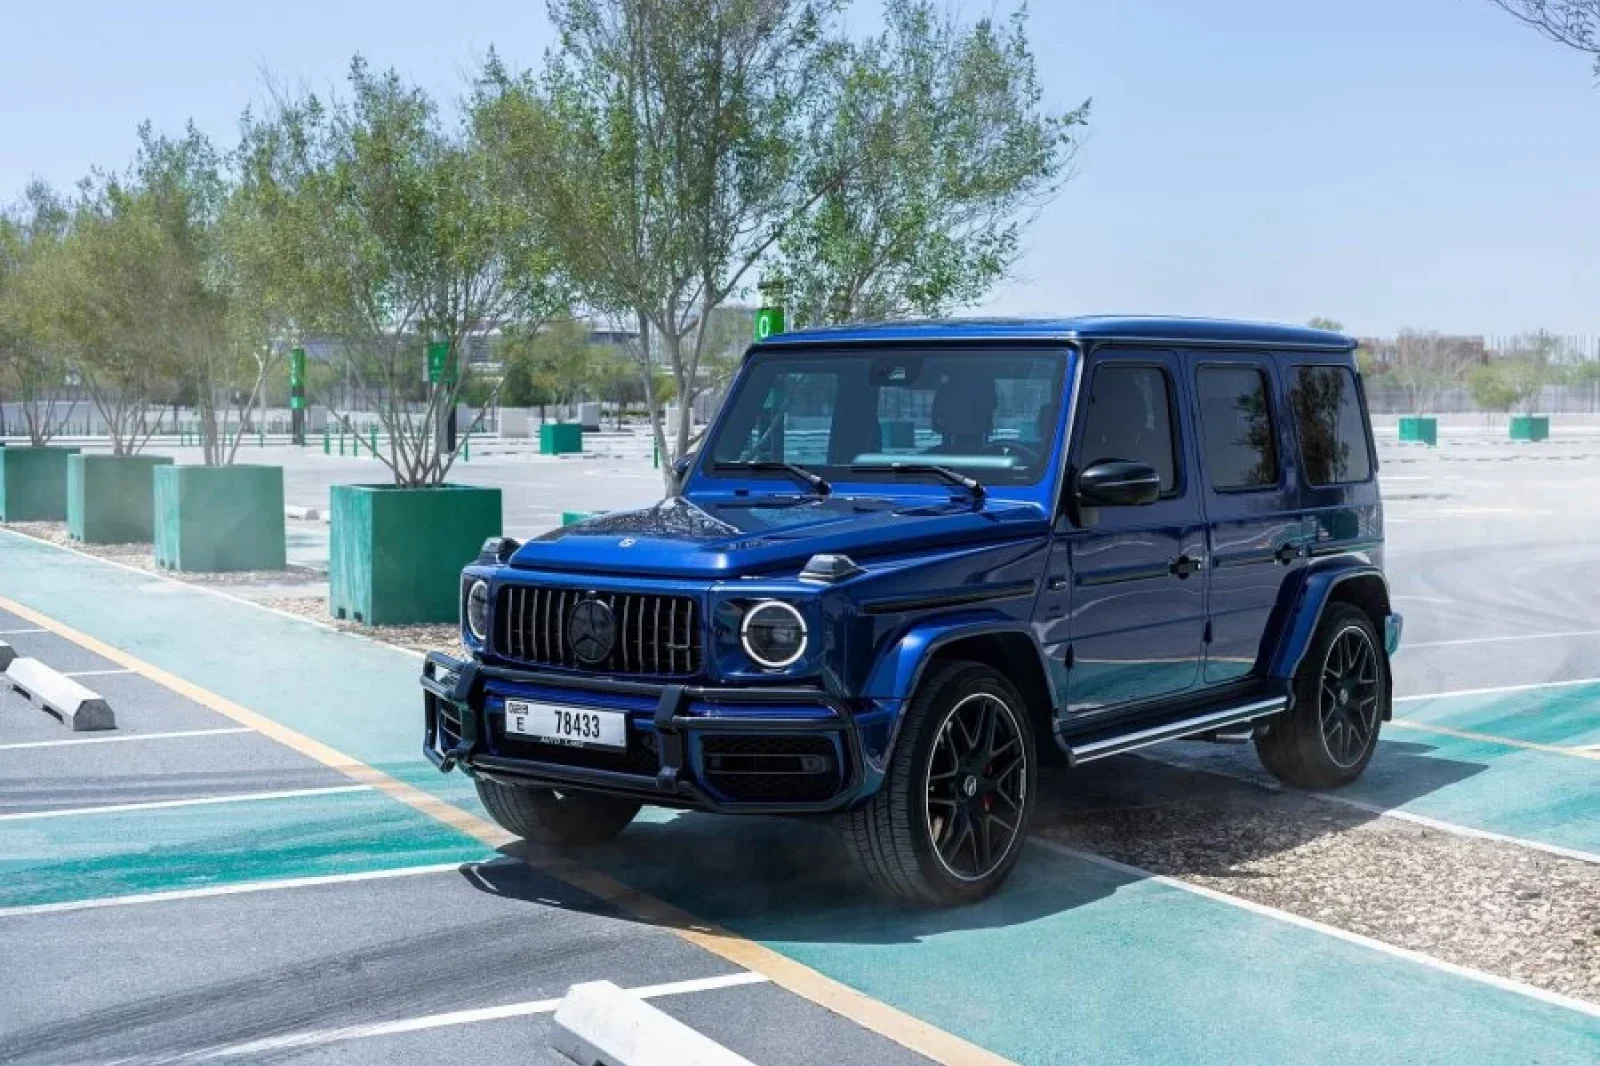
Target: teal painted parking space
1565, 717
1077, 949
93, 856
1087, 954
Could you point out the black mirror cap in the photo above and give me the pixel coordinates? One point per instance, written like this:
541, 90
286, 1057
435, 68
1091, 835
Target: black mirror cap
680, 468
1119, 483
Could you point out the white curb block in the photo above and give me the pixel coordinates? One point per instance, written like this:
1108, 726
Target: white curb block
7, 653
599, 1024
78, 708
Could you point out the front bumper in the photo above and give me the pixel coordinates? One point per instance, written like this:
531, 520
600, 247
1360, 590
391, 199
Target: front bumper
690, 746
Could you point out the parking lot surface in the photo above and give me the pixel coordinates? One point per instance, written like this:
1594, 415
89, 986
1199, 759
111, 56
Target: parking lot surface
258, 864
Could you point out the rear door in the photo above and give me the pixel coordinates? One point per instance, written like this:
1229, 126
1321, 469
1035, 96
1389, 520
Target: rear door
1137, 596
1255, 532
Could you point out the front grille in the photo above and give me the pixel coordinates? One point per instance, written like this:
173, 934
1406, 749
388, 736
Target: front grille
638, 758
656, 635
772, 768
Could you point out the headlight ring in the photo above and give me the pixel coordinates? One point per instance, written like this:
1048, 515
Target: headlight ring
773, 634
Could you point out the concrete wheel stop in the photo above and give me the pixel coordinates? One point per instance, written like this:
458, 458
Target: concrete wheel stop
75, 706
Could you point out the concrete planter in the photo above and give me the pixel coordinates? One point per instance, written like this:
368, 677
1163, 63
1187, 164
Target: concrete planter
33, 484
1419, 430
217, 518
560, 438
1530, 427
110, 498
395, 555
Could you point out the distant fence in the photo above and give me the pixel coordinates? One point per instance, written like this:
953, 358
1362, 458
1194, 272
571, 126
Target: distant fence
1387, 399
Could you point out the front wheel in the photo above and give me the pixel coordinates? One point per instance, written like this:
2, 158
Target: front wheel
550, 817
948, 823
1341, 694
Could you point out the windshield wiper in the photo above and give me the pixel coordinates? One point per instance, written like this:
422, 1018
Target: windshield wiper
794, 470
971, 484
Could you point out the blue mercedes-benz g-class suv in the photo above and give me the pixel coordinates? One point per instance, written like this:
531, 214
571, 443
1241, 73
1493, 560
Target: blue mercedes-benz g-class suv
912, 562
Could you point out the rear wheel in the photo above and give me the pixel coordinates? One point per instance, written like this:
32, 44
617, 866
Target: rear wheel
1340, 699
948, 823
547, 816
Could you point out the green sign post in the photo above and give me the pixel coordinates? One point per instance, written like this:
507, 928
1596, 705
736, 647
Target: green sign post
442, 372
769, 320
297, 393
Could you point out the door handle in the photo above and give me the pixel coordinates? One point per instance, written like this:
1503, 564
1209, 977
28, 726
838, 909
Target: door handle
1056, 583
1287, 553
1184, 565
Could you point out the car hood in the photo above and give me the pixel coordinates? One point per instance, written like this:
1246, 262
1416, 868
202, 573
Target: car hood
680, 538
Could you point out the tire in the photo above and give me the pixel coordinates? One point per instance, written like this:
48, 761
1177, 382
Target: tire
933, 792
546, 816
1327, 738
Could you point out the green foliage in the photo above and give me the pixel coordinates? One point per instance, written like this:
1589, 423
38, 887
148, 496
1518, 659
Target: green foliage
942, 150
386, 227
1505, 384
1332, 325
32, 373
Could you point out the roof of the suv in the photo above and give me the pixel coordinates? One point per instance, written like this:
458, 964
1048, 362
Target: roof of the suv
1210, 331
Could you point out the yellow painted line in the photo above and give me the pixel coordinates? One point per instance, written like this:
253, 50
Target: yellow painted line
904, 1029
1490, 738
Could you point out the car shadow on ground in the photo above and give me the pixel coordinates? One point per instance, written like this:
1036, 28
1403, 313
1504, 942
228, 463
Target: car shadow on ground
791, 880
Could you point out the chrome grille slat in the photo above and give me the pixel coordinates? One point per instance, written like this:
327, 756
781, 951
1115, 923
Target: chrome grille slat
656, 635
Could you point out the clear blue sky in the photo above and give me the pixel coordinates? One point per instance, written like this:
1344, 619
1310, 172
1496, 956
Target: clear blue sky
1421, 163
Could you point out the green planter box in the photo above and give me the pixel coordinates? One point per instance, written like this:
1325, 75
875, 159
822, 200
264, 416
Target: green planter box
33, 484
216, 518
1419, 430
395, 555
110, 498
560, 438
1530, 427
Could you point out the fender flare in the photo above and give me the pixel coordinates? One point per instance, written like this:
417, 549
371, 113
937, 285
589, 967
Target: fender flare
897, 672
1305, 609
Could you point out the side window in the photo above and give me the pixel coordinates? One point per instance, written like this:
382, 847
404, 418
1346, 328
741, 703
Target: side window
1236, 425
1129, 416
1327, 418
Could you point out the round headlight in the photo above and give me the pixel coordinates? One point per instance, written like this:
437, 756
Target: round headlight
773, 634
478, 610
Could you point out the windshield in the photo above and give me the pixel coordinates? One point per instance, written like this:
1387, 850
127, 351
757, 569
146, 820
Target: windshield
989, 414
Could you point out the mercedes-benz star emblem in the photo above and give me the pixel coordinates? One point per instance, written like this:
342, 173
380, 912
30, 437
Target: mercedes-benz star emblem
591, 629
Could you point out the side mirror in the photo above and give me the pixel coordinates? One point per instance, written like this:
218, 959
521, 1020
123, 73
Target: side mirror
680, 469
1119, 483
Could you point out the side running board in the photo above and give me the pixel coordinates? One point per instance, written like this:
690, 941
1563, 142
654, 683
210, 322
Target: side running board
1102, 745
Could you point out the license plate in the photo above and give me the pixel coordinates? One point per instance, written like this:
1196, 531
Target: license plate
577, 727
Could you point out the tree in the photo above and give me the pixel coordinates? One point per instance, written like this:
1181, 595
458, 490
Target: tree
946, 152
393, 237
1426, 362
1574, 23
115, 288
1332, 325
31, 369
669, 145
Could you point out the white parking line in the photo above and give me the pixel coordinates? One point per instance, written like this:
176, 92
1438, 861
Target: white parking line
96, 673
198, 801
1495, 691
1408, 645
1505, 984
239, 889
320, 1037
131, 736
18, 632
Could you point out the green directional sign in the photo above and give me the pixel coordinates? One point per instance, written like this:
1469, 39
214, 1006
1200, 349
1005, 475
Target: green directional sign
297, 368
769, 320
440, 370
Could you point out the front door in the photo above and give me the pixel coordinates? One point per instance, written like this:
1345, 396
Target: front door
1136, 615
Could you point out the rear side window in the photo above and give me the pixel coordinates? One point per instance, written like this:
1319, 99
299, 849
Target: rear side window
1130, 417
1236, 424
1327, 418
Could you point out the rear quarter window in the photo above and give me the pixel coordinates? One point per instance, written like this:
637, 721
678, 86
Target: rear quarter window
1329, 425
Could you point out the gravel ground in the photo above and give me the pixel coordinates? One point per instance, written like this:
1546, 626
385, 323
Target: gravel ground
1494, 907
142, 557
423, 638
